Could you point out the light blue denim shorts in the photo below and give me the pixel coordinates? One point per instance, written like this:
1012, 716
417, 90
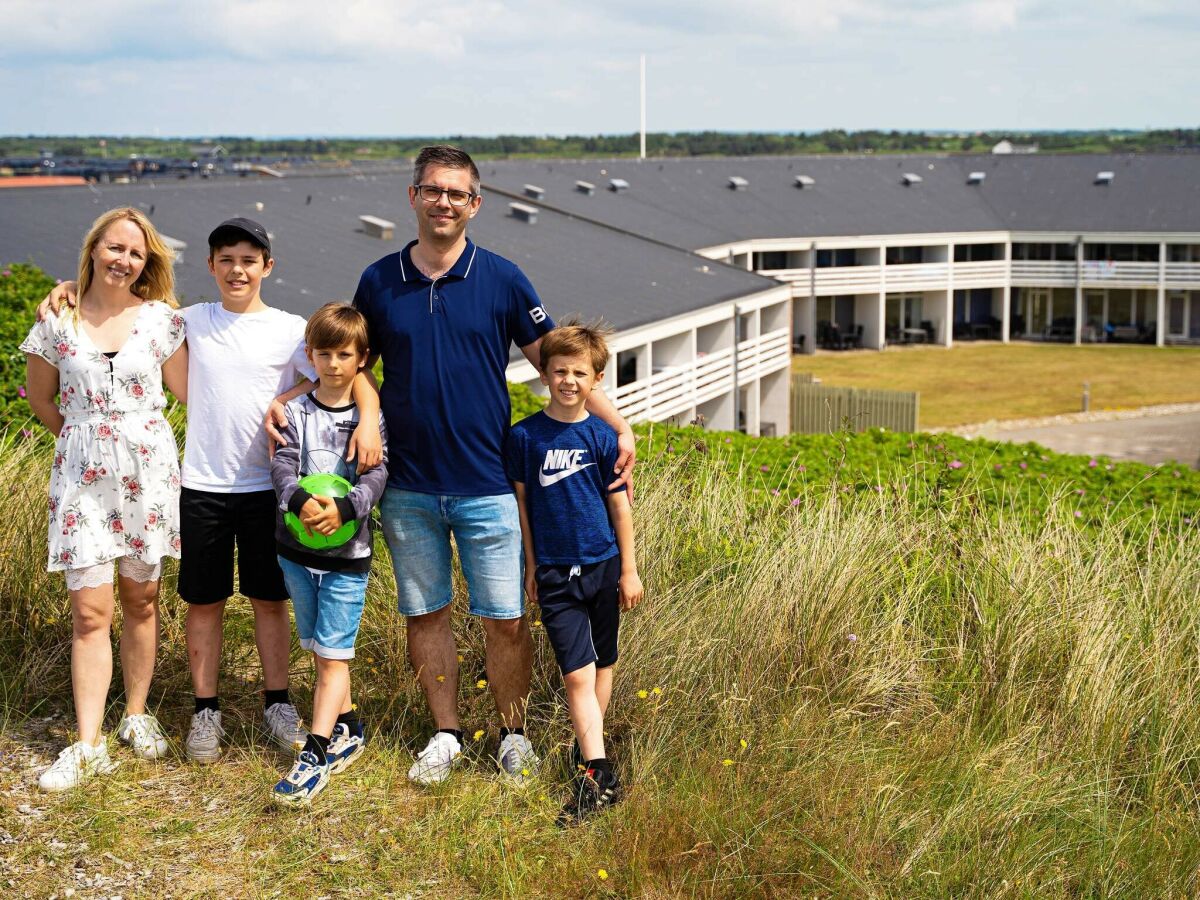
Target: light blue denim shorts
487, 532
328, 608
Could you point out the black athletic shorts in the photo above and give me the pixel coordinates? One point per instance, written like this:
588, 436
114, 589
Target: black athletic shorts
581, 612
210, 524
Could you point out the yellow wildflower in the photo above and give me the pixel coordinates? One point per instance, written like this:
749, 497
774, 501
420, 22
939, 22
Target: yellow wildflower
441, 678
479, 734
743, 743
656, 691
643, 694
727, 762
481, 683
602, 874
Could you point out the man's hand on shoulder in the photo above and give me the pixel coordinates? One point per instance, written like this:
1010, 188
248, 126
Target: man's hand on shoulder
53, 302
275, 419
367, 444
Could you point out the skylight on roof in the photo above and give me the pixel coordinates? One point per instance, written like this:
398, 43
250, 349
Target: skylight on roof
524, 212
910, 178
805, 181
585, 187
1104, 178
532, 190
618, 184
976, 177
738, 183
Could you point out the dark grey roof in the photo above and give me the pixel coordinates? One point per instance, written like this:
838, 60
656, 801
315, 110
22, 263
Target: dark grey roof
687, 202
320, 251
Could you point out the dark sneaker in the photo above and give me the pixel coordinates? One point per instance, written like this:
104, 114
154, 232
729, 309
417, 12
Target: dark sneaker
344, 748
592, 792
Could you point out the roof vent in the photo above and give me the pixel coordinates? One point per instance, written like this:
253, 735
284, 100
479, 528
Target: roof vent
804, 181
1103, 178
177, 246
976, 177
524, 212
585, 187
532, 190
618, 184
738, 183
375, 227
910, 178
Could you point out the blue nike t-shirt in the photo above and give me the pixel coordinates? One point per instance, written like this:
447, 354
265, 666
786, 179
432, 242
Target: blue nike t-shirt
566, 468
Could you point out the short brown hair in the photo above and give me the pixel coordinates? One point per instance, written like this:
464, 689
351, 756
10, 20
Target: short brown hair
450, 158
335, 325
574, 337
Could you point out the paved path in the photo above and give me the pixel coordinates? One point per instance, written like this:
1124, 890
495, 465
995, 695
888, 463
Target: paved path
1152, 435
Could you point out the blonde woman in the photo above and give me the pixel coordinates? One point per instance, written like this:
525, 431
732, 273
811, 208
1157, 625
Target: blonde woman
114, 484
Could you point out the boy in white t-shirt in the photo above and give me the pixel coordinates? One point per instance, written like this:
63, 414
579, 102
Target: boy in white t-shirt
241, 355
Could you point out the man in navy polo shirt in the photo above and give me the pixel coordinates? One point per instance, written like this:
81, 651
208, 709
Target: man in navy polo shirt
443, 313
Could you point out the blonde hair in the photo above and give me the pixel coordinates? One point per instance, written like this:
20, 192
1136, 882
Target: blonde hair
574, 337
157, 281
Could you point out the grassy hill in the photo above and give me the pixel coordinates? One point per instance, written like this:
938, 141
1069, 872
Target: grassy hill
895, 677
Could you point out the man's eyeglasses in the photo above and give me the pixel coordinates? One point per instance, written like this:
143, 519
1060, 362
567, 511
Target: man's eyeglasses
431, 193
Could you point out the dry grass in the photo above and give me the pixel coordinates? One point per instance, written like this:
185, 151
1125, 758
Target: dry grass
977, 382
933, 703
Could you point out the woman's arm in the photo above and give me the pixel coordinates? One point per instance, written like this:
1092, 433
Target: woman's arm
41, 387
175, 373
366, 441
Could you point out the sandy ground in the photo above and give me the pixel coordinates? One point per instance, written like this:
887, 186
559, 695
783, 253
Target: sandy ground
1152, 434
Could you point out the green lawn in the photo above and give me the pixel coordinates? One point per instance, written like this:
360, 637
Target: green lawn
974, 383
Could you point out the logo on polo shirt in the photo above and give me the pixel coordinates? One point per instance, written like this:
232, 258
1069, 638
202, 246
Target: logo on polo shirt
538, 314
566, 462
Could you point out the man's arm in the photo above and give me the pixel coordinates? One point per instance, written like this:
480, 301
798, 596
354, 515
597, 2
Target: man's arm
527, 543
275, 421
53, 301
598, 404
367, 441
629, 587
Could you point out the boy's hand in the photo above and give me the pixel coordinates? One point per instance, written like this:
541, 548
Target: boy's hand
626, 460
53, 301
320, 514
531, 581
275, 419
367, 444
629, 589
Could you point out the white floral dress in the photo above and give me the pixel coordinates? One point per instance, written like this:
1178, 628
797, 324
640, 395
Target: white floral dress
114, 485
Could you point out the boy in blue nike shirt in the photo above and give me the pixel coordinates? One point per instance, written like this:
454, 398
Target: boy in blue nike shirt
578, 538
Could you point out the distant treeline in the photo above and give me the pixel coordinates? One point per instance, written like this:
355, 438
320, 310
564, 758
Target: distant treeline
691, 143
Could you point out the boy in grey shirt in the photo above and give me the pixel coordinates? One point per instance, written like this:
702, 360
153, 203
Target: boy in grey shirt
327, 559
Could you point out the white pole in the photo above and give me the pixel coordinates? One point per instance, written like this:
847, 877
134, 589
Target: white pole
643, 106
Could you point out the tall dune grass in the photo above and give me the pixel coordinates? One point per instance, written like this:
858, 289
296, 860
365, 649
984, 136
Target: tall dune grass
849, 696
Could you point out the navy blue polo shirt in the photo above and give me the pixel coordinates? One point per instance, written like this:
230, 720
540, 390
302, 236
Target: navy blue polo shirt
445, 347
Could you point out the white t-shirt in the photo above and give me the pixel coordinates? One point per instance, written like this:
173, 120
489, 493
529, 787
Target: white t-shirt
237, 364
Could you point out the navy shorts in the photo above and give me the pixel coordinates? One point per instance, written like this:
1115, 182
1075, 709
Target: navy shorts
581, 612
210, 525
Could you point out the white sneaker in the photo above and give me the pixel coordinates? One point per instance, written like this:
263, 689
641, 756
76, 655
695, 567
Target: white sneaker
203, 743
516, 758
144, 736
75, 765
434, 763
286, 726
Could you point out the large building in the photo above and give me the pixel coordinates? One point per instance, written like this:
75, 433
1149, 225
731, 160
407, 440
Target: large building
713, 271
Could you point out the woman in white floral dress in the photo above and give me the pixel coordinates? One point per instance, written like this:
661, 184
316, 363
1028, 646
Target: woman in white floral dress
114, 485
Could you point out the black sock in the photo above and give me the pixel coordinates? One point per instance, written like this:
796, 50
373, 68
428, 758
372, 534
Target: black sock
317, 745
505, 732
458, 735
352, 722
270, 698
213, 703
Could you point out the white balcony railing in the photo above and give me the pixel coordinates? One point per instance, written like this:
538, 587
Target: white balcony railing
680, 388
1043, 273
848, 280
1182, 275
1101, 271
916, 276
985, 273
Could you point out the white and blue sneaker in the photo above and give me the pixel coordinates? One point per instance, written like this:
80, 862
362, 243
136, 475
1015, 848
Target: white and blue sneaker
344, 748
307, 779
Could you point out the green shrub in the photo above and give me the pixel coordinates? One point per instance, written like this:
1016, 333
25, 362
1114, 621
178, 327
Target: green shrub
22, 286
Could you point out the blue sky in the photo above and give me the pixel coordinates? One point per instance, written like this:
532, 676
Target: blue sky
399, 67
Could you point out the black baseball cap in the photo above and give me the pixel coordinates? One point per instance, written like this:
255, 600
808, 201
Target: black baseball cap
231, 231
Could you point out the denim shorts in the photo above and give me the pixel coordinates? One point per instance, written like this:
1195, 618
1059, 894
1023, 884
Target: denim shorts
328, 608
487, 532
